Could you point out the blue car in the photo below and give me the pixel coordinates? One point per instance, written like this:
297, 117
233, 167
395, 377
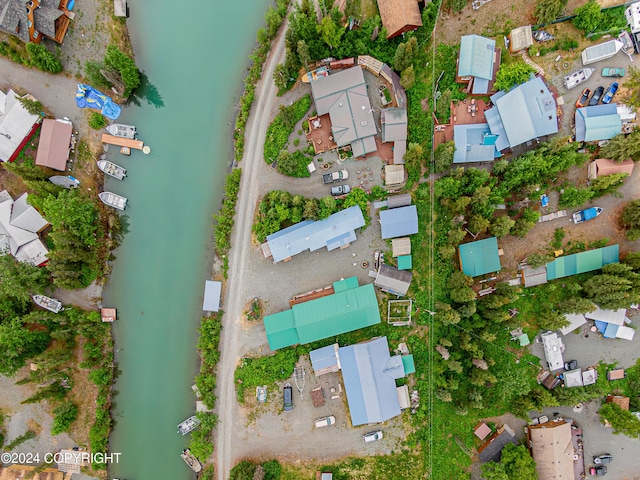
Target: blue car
611, 91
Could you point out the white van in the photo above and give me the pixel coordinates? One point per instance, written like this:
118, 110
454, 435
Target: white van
325, 421
372, 436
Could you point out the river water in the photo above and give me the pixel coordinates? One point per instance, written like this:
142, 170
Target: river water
194, 55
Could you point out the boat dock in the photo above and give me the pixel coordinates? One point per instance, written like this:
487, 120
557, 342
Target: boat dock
122, 142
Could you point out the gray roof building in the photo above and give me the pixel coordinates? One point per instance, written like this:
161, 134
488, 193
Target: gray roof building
23, 243
399, 222
14, 19
394, 124
600, 122
334, 232
16, 125
402, 200
526, 112
392, 280
491, 450
343, 96
474, 143
212, 291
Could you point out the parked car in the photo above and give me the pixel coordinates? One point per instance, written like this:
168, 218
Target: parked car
340, 190
602, 459
611, 91
372, 436
598, 471
325, 421
287, 397
571, 365
582, 101
597, 94
613, 72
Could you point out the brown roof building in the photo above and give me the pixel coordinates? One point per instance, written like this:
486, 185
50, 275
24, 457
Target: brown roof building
55, 143
399, 16
552, 449
31, 20
19, 472
621, 401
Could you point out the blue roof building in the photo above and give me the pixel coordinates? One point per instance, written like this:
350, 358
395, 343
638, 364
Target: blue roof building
369, 373
476, 59
474, 143
478, 258
526, 112
399, 222
600, 122
334, 232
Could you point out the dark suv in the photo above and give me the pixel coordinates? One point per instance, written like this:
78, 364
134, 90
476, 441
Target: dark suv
597, 94
287, 397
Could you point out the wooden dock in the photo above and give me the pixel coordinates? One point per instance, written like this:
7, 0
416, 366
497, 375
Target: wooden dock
122, 142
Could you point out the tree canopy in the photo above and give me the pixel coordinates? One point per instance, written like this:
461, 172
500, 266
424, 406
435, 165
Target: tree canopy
588, 16
630, 219
512, 74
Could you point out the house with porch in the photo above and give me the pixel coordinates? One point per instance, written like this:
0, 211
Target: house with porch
17, 125
399, 16
478, 63
600, 122
33, 20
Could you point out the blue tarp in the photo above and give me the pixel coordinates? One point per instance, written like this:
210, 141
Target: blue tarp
89, 97
590, 213
544, 200
611, 331
71, 4
601, 326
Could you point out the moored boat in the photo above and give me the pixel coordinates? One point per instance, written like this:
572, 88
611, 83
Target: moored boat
48, 303
188, 425
110, 168
191, 460
542, 36
66, 182
121, 130
576, 78
315, 74
113, 200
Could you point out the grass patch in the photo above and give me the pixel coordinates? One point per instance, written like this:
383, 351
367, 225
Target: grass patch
282, 126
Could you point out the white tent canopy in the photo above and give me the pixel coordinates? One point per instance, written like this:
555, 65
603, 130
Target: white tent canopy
625, 332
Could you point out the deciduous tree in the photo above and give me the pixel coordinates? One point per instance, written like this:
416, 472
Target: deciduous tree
512, 74
443, 156
588, 16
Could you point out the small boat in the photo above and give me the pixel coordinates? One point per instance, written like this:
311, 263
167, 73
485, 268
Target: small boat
315, 74
48, 303
576, 78
125, 151
110, 168
190, 460
542, 36
121, 130
188, 425
66, 182
261, 394
113, 200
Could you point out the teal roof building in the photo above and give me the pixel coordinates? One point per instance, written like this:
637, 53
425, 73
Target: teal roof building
350, 308
477, 56
478, 258
582, 262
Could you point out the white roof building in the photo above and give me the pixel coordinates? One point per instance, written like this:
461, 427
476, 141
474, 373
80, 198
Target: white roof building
20, 224
16, 124
632, 13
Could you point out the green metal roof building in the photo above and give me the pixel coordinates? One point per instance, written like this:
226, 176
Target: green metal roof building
351, 307
478, 258
582, 262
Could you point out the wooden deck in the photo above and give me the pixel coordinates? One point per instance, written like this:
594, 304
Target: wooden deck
122, 142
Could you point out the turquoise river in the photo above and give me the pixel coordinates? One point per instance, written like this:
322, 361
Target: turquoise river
194, 56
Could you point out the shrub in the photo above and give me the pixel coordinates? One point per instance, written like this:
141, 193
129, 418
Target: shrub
65, 414
574, 196
97, 121
282, 125
293, 164
42, 59
126, 68
630, 219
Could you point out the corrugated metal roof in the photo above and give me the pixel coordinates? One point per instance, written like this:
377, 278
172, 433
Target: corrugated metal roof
526, 112
600, 122
521, 38
478, 258
477, 55
18, 236
394, 124
405, 262
582, 262
33, 252
324, 317
15, 123
401, 246
332, 233
492, 116
26, 217
371, 393
392, 280
409, 364
399, 150
615, 317
55, 142
395, 201
212, 291
345, 284
399, 222
471, 144
325, 358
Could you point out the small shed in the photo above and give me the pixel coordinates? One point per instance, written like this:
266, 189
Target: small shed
394, 174
325, 360
573, 378
534, 276
403, 397
480, 257
520, 38
212, 291
481, 430
589, 376
604, 166
120, 8
392, 280
617, 374
620, 400
55, 144
404, 262
108, 314
395, 201
401, 246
